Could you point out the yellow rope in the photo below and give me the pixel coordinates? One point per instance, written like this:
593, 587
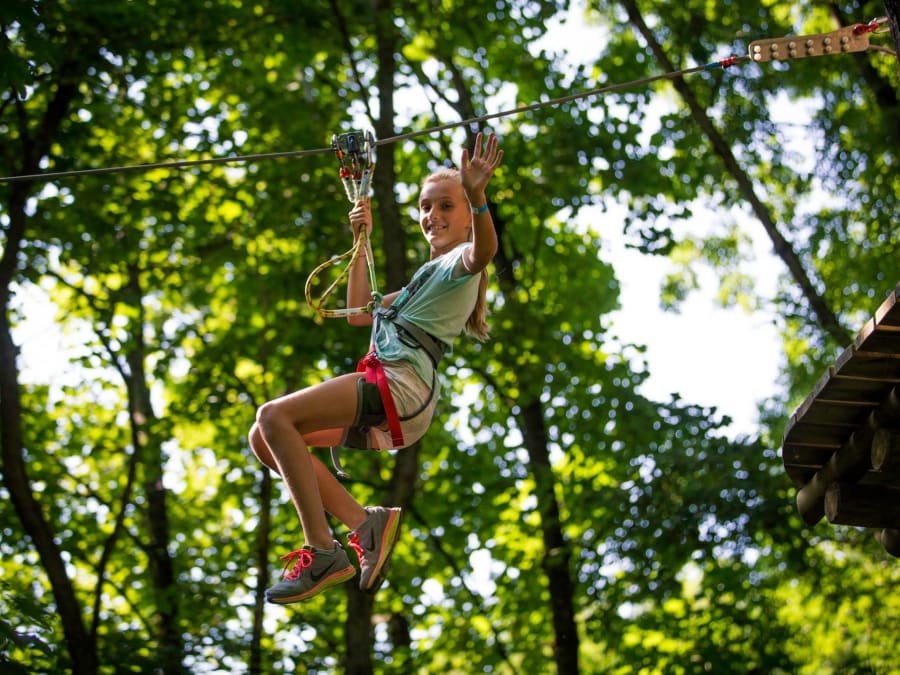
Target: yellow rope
360, 248
355, 152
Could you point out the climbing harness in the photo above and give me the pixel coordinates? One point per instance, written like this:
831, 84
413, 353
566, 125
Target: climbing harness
374, 370
411, 335
408, 332
376, 375
356, 155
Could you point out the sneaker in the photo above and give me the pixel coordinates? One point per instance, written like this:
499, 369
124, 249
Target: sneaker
374, 542
314, 570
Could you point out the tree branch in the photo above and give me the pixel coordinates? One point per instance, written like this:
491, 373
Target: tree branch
826, 317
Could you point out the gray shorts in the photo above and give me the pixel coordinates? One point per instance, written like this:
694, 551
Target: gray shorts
413, 399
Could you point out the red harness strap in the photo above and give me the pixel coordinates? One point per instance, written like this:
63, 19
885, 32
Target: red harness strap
375, 373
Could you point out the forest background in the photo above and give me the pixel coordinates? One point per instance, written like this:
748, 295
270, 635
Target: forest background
558, 519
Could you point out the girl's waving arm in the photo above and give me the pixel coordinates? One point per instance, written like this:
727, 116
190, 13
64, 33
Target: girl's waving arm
476, 172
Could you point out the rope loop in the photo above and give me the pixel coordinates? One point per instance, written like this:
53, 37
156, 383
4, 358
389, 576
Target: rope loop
355, 152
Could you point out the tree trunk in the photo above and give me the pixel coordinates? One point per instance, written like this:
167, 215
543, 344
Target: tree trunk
360, 636
557, 554
146, 443
262, 565
81, 648
556, 550
359, 632
79, 642
892, 8
881, 87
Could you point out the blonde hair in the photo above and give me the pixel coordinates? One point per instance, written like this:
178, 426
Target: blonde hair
476, 324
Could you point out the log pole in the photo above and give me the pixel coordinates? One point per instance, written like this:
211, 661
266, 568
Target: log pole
886, 450
848, 463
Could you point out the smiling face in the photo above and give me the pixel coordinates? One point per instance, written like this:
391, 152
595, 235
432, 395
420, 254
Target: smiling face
445, 215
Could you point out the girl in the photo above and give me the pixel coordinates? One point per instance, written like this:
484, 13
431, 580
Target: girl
390, 405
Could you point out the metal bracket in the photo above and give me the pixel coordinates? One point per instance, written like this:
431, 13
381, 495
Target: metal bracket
355, 151
841, 41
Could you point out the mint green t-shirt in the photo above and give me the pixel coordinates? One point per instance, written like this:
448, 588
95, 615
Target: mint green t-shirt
440, 306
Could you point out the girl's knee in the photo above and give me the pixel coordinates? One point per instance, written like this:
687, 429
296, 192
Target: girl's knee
274, 423
254, 437
261, 449
267, 418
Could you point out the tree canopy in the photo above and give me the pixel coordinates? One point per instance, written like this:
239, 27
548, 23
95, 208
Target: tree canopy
558, 519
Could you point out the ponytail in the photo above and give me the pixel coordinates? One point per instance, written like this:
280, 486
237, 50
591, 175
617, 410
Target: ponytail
477, 325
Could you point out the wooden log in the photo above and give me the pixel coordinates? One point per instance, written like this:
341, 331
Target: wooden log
886, 450
890, 539
817, 436
863, 505
889, 479
807, 457
849, 463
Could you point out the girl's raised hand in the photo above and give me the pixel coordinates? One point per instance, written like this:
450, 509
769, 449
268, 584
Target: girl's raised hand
477, 171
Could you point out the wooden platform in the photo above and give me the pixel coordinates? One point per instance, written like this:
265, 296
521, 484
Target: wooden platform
842, 445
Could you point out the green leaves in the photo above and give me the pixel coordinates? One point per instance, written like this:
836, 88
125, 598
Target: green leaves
681, 544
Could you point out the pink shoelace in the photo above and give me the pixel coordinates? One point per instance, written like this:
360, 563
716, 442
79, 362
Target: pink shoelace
302, 558
353, 540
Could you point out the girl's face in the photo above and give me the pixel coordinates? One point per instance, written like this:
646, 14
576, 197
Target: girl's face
444, 215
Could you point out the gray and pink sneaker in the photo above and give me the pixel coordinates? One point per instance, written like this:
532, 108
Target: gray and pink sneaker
374, 542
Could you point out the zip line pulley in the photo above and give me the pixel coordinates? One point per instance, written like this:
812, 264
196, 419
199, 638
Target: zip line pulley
355, 151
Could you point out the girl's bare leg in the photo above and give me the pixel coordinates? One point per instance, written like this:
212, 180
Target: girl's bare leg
335, 497
281, 426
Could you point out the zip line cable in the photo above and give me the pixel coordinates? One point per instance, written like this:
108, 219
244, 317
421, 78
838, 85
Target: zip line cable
853, 38
566, 99
180, 164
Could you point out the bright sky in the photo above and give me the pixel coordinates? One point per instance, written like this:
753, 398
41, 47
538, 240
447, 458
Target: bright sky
710, 355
